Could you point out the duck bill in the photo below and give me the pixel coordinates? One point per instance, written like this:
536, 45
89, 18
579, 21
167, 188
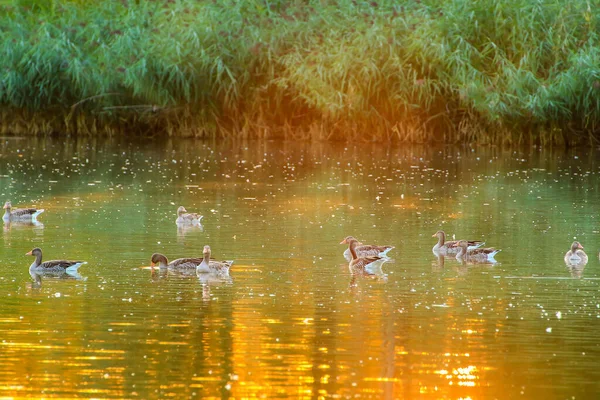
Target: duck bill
580, 247
29, 254
5, 207
434, 235
343, 242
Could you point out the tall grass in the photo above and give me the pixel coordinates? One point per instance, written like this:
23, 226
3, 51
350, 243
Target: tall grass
453, 70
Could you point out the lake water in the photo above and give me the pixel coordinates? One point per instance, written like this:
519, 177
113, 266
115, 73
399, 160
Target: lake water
293, 321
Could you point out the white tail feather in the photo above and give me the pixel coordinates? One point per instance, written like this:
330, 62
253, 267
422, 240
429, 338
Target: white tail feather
38, 212
75, 267
384, 253
491, 255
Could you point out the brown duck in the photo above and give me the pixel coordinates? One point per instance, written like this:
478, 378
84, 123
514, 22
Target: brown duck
178, 264
53, 266
478, 255
357, 261
20, 214
365, 250
445, 248
576, 256
184, 217
208, 266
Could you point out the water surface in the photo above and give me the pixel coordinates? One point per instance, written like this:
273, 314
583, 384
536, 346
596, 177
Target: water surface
292, 321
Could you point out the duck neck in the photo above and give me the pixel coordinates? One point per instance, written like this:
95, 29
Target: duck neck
163, 262
461, 252
352, 247
441, 238
38, 259
206, 257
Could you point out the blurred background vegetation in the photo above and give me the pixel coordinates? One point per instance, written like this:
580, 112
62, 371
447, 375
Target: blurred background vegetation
487, 71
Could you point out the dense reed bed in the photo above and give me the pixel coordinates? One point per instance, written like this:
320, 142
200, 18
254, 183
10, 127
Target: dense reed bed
487, 71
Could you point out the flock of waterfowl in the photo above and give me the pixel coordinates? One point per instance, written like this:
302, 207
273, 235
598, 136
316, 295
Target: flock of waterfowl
202, 265
359, 255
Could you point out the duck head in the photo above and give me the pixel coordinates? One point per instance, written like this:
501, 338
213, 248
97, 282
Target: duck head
181, 210
576, 246
159, 259
35, 252
348, 240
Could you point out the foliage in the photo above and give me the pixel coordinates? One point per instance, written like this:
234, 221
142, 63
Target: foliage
450, 70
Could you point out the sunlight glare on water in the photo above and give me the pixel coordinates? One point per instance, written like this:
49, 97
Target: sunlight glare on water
292, 321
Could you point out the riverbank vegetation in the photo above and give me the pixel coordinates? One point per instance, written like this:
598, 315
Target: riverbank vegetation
487, 71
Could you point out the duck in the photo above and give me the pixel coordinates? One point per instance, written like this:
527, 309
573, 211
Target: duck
162, 262
211, 266
576, 256
478, 255
183, 217
365, 250
357, 262
20, 214
444, 248
53, 266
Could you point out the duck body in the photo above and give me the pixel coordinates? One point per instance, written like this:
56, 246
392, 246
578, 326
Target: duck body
184, 217
478, 255
20, 214
444, 248
180, 264
208, 266
358, 263
366, 250
576, 256
53, 266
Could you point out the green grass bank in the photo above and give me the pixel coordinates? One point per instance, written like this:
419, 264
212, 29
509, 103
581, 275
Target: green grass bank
487, 71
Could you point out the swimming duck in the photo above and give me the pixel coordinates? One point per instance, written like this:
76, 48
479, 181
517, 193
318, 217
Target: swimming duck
576, 256
183, 217
212, 266
53, 266
359, 262
451, 247
478, 255
365, 250
20, 214
179, 264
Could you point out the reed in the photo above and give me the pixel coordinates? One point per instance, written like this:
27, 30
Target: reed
453, 71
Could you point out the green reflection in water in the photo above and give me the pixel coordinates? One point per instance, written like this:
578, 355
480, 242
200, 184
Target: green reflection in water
292, 321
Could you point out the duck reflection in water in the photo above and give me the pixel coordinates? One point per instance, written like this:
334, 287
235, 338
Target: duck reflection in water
576, 270
186, 229
439, 263
164, 273
39, 277
10, 225
212, 279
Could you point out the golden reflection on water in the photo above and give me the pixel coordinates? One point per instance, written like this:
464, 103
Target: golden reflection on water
292, 321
